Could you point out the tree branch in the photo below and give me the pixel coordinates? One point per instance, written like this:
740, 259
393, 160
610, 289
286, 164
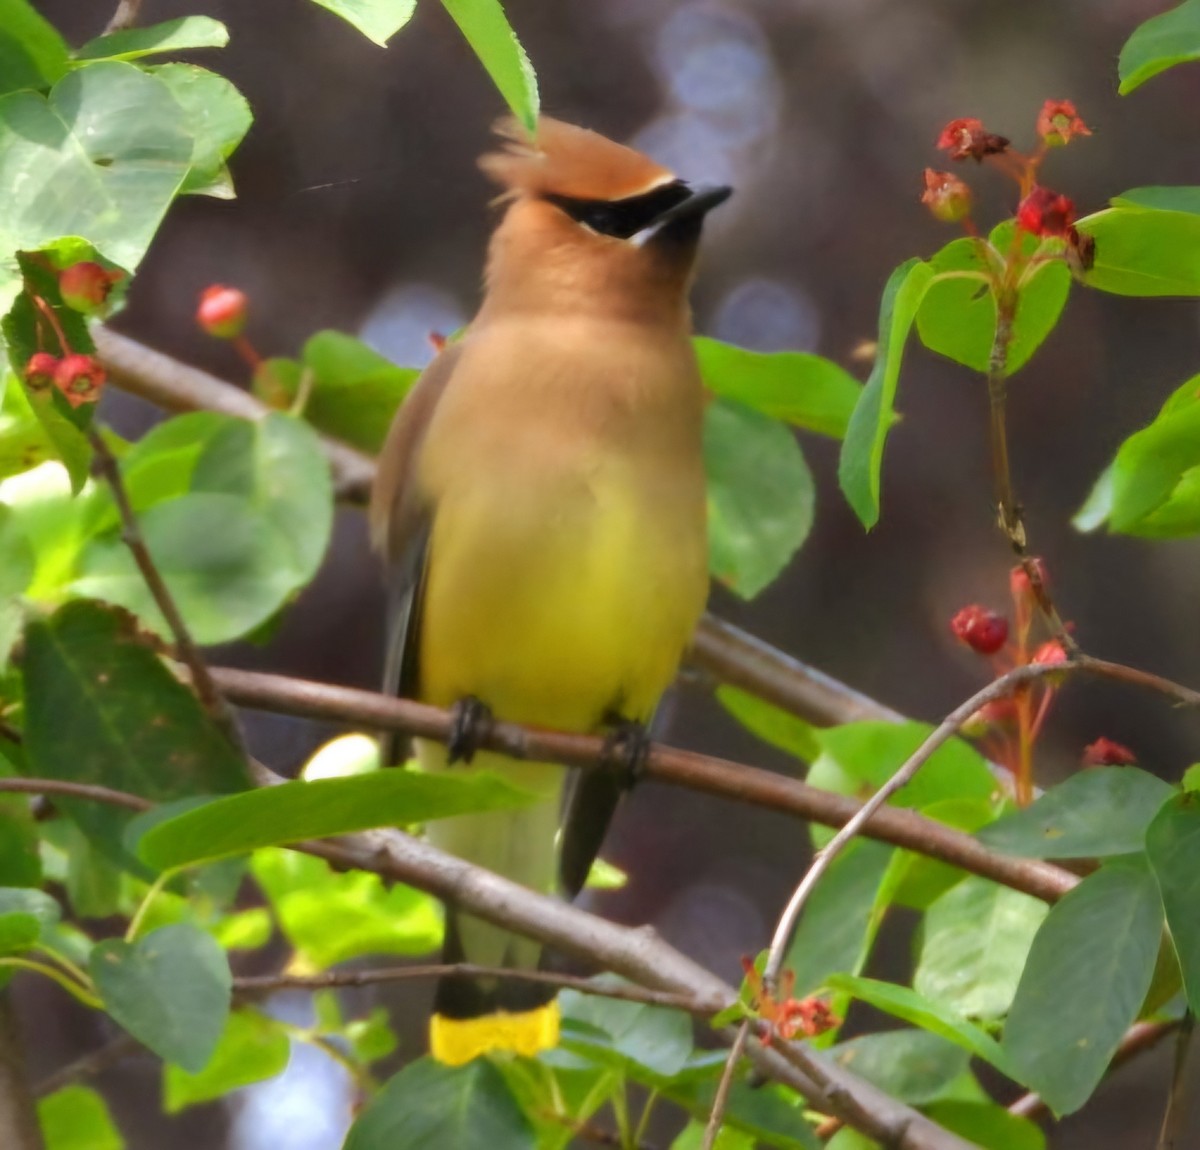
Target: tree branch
735, 781
19, 1127
125, 16
1170, 1136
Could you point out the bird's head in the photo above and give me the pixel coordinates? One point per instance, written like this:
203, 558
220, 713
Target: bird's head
591, 223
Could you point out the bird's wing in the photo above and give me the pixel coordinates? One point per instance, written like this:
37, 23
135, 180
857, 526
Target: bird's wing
400, 519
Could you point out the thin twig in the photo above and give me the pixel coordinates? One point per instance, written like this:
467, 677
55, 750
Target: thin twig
89, 1065
266, 983
716, 1115
19, 1129
125, 16
1000, 688
92, 791
1170, 1136
108, 468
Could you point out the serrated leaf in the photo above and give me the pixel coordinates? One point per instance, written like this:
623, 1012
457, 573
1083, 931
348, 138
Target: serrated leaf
252, 1048
170, 36
170, 989
974, 945
76, 164
428, 1105
377, 20
957, 316
1144, 252
1087, 974
491, 37
218, 117
760, 496
861, 459
1160, 43
1098, 812
1173, 847
102, 708
76, 1118
806, 390
290, 812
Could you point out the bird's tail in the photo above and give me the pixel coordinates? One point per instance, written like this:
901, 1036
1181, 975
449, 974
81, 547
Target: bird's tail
473, 1015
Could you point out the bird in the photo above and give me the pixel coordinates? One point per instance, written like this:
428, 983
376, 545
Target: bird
540, 510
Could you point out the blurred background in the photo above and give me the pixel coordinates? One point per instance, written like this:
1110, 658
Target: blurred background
360, 207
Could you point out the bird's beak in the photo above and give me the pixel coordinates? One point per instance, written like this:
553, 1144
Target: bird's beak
686, 216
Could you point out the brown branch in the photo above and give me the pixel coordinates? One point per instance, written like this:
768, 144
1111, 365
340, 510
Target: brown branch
89, 1065
265, 983
125, 16
91, 791
716, 1115
107, 467
730, 780
19, 1129
1171, 1134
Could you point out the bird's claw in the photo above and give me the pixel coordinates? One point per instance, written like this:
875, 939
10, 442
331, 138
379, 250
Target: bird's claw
626, 751
470, 723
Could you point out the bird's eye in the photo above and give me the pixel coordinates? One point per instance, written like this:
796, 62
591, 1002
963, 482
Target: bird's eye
622, 218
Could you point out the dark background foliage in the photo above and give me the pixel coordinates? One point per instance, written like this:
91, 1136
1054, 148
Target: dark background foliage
360, 207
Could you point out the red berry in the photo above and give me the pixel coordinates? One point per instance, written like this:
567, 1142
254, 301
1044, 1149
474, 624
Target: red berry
40, 370
984, 631
949, 199
80, 378
85, 286
1107, 753
1047, 213
222, 311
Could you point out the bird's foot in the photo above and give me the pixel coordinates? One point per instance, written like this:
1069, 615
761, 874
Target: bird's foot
626, 750
470, 724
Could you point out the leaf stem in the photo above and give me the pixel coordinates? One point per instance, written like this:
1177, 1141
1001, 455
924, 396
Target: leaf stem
1170, 1136
74, 989
135, 923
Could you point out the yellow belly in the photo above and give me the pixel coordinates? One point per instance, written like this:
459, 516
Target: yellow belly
559, 601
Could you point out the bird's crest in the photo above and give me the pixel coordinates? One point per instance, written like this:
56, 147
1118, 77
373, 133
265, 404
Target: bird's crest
564, 160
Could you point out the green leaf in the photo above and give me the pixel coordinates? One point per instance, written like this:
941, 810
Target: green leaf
77, 164
20, 862
987, 1125
838, 926
760, 496
371, 1038
862, 450
170, 990
331, 918
170, 36
32, 53
1169, 199
917, 881
869, 753
218, 117
354, 392
806, 390
101, 708
772, 724
1173, 847
428, 1105
18, 932
653, 1037
975, 942
1143, 252
1160, 43
377, 20
691, 1137
1150, 467
76, 1118
17, 566
908, 1005
1098, 812
957, 317
25, 915
290, 812
487, 30
1087, 974
911, 1065
1098, 505
252, 1049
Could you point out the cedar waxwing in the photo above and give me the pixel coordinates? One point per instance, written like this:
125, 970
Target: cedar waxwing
540, 503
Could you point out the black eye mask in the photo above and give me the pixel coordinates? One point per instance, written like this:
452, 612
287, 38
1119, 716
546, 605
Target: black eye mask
623, 218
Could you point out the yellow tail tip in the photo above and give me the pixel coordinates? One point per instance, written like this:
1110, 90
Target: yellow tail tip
456, 1041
